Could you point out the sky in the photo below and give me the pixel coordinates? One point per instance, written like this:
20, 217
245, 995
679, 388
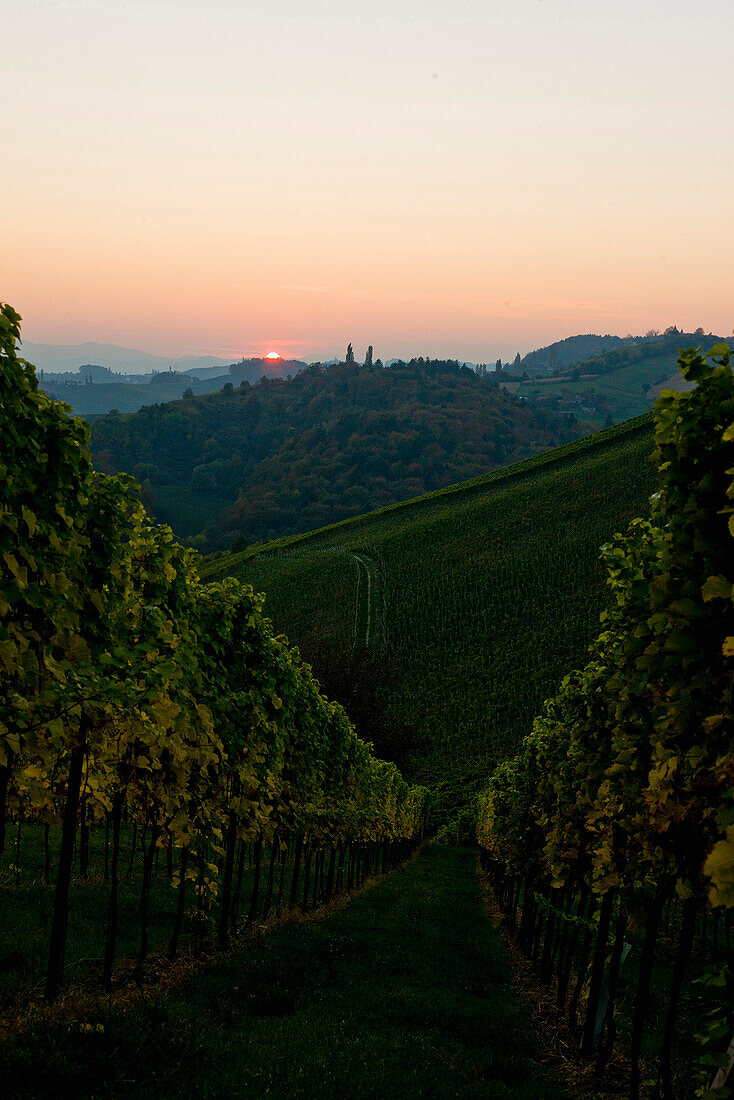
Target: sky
463, 178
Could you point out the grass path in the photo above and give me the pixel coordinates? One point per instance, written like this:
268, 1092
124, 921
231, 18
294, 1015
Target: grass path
403, 993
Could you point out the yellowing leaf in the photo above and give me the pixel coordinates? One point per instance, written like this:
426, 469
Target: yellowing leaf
30, 520
720, 869
17, 570
716, 588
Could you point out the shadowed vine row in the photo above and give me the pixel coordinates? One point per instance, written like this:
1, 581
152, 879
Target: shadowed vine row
611, 832
133, 695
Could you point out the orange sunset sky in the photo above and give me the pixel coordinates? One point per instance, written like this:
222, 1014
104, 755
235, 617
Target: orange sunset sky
465, 178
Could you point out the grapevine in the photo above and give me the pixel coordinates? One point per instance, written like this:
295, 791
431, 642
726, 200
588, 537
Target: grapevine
134, 693
622, 791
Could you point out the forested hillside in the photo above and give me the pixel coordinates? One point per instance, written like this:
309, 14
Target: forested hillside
282, 457
443, 623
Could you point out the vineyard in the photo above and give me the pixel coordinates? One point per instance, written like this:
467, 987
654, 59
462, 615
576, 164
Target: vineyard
156, 737
180, 795
614, 820
489, 590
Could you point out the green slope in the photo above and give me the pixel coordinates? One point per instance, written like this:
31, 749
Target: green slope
478, 599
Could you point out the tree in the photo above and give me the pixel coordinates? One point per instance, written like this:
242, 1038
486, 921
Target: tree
350, 355
368, 357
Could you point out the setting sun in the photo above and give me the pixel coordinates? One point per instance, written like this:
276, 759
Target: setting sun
272, 355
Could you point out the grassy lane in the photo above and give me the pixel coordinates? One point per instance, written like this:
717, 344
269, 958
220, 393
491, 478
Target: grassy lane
404, 993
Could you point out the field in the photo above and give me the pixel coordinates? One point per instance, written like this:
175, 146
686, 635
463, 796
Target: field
478, 599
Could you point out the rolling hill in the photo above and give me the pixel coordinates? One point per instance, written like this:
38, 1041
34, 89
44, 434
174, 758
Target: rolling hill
622, 381
443, 623
283, 457
68, 357
565, 353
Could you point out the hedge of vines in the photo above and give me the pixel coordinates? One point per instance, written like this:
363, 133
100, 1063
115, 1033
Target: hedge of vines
618, 809
132, 692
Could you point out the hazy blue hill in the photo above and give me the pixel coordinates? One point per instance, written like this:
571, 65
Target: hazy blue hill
100, 398
68, 357
564, 353
575, 351
94, 390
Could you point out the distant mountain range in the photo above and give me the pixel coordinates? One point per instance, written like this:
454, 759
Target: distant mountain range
68, 357
93, 390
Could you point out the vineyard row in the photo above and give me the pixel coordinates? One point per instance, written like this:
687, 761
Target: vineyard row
619, 805
130, 691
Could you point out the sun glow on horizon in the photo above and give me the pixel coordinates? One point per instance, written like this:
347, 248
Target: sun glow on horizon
272, 355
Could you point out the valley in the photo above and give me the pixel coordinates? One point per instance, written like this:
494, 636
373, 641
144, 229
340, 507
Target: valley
492, 590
